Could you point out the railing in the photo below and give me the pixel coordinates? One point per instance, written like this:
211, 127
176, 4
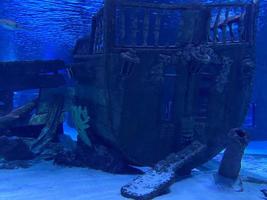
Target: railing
228, 24
146, 27
125, 24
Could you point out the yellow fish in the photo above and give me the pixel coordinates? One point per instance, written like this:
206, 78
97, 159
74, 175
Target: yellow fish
10, 24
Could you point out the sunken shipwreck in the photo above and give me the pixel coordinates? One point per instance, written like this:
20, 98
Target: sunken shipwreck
161, 85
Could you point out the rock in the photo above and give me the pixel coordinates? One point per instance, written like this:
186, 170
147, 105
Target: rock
14, 148
16, 164
50, 152
103, 158
231, 162
67, 142
230, 166
99, 157
66, 158
228, 183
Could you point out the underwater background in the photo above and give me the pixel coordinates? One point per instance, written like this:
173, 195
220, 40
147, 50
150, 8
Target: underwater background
50, 29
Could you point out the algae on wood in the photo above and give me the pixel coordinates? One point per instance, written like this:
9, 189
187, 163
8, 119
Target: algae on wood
81, 120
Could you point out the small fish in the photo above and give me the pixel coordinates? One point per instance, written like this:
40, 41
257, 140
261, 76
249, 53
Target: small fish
10, 24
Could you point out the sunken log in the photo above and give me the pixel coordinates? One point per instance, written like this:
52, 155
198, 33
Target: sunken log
231, 163
24, 75
8, 120
49, 132
163, 175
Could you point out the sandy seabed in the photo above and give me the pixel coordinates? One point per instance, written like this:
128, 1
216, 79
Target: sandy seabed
45, 181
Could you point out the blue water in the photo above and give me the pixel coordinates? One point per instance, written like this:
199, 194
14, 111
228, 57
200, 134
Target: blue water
51, 27
50, 30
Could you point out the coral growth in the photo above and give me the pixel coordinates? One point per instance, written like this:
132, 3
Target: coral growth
81, 120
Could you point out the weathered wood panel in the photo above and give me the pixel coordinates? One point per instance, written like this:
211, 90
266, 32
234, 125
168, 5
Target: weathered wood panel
23, 75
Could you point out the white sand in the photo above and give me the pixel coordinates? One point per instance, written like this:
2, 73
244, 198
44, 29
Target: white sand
45, 181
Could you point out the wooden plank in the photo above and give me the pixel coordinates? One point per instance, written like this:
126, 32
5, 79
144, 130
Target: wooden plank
123, 26
255, 8
93, 94
134, 30
31, 82
225, 5
6, 99
146, 28
224, 27
31, 67
173, 48
157, 28
208, 28
157, 180
80, 58
17, 114
93, 35
48, 133
252, 13
98, 38
129, 3
109, 25
215, 27
241, 25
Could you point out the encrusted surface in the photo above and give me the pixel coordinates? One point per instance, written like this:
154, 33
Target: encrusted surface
157, 180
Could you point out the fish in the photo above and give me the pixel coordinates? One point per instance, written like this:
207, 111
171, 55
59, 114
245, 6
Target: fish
10, 25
